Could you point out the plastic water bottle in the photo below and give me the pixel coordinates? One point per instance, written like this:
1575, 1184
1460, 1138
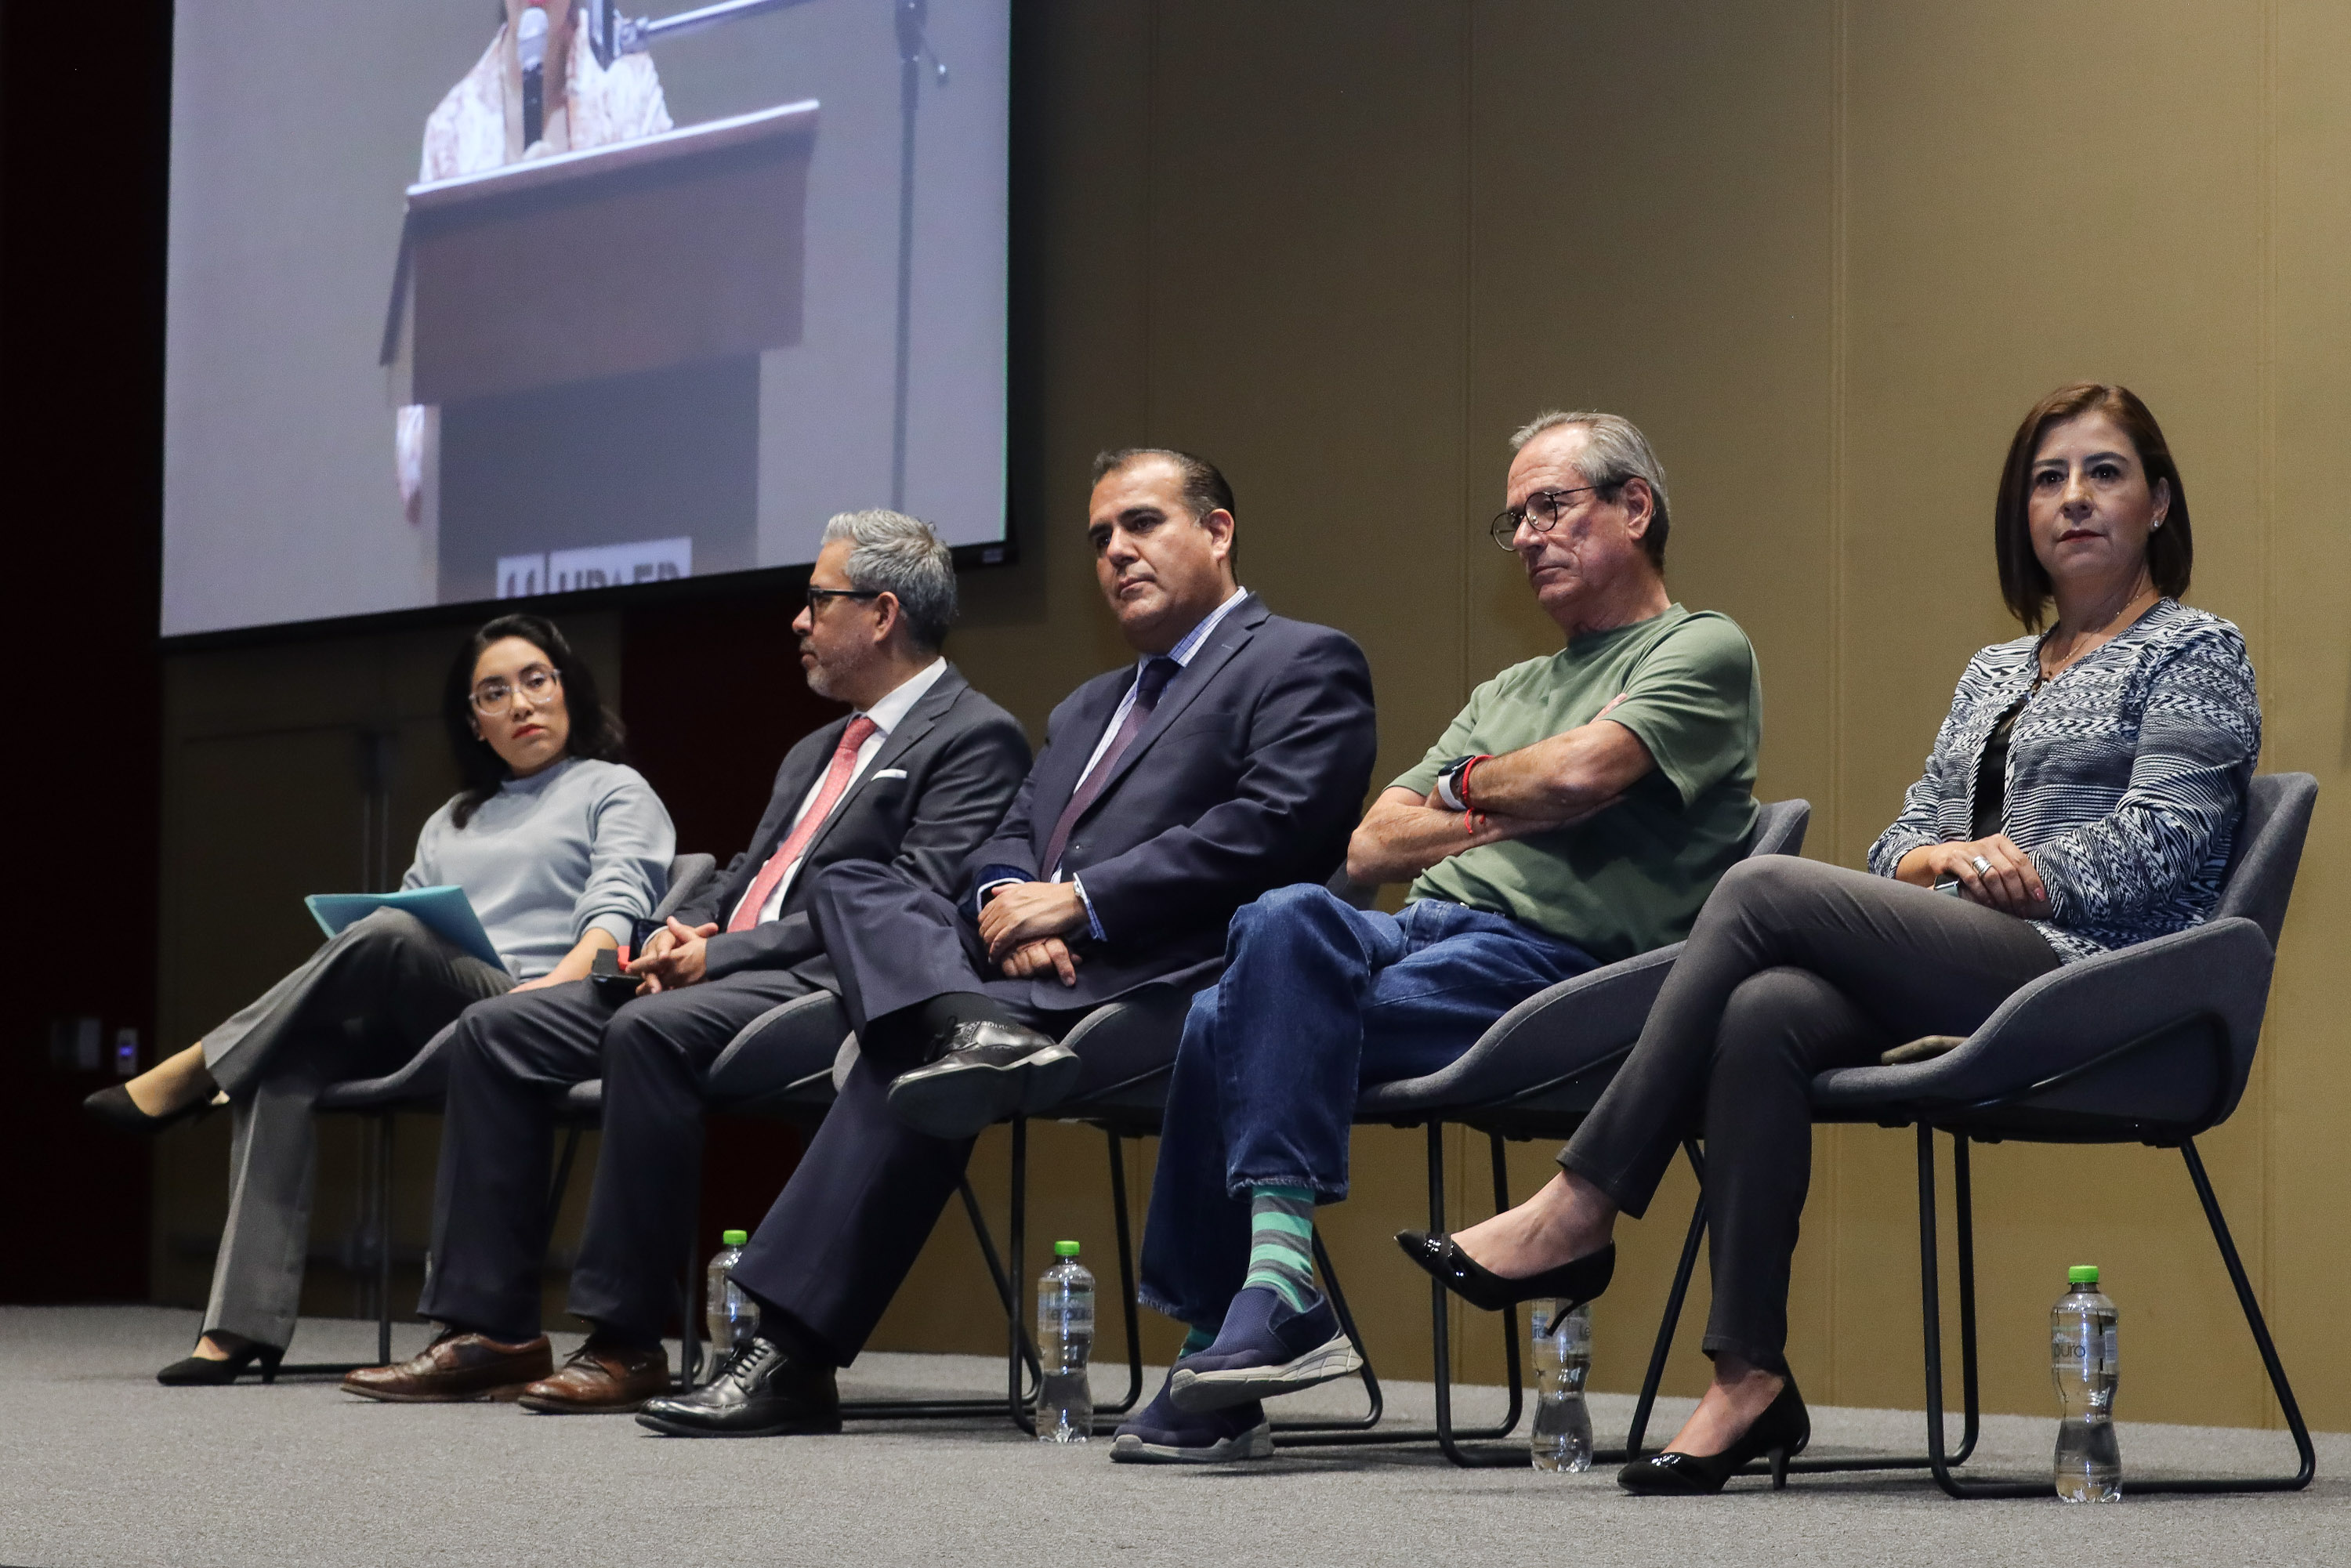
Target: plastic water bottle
727, 1311
2082, 1359
1560, 1351
1065, 1337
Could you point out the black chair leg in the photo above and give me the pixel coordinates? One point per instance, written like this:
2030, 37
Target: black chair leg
384, 1239
377, 1208
1371, 1378
1023, 1412
1668, 1323
2261, 1342
1129, 1305
689, 1338
1364, 1431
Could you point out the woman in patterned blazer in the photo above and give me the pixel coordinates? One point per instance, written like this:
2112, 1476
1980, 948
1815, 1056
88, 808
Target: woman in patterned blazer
2082, 796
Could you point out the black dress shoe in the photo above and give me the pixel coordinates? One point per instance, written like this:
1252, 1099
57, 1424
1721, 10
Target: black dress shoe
203, 1371
114, 1106
1778, 1434
759, 1392
1571, 1283
984, 1073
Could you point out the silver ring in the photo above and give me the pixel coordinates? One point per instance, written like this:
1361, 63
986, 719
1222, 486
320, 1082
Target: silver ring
1983, 866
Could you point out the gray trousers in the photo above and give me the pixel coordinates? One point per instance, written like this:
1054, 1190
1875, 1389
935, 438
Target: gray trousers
362, 1004
1793, 967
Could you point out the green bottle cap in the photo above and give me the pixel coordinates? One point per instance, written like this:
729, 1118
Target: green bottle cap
736, 1238
1065, 1248
2082, 1274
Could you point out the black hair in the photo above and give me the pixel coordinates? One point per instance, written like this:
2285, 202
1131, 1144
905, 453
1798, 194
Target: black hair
1202, 483
596, 730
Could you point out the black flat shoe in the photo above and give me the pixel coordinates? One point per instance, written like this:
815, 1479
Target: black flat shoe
114, 1106
1778, 1434
202, 1371
1573, 1283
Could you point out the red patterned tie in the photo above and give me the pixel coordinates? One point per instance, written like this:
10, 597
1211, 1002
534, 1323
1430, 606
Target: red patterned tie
836, 784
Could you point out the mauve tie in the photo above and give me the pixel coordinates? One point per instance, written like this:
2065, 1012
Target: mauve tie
836, 784
1147, 687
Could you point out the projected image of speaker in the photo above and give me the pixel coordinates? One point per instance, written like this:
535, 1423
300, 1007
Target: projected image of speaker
588, 327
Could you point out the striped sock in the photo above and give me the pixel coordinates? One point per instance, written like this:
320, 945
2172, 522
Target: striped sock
1281, 1247
1198, 1340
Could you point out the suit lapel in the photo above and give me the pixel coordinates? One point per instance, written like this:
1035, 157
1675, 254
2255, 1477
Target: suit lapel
918, 722
1068, 756
1230, 636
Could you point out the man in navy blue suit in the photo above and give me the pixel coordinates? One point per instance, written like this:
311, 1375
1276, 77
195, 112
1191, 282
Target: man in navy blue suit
1230, 759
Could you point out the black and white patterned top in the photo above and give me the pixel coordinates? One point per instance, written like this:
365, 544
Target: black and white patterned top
2126, 775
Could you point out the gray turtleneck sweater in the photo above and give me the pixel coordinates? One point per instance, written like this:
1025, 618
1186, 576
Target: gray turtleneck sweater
582, 844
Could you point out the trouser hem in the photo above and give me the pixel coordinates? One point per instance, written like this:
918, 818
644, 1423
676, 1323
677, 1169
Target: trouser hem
1773, 1361
1614, 1186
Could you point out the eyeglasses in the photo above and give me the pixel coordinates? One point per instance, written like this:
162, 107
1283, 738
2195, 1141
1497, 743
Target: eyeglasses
816, 596
538, 684
1540, 513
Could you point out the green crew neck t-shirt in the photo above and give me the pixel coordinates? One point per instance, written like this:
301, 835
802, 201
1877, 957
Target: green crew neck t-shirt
1633, 877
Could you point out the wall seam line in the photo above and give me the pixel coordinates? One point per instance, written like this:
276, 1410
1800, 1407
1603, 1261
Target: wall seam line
1839, 197
2265, 501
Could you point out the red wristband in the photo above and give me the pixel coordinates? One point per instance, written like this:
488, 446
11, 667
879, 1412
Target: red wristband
1461, 781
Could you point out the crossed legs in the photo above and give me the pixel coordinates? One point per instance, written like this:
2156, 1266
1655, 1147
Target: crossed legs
1793, 967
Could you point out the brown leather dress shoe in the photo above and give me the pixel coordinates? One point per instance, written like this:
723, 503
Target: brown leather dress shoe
601, 1380
456, 1367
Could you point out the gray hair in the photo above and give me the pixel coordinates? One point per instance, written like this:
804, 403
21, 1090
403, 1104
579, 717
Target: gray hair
1614, 450
905, 557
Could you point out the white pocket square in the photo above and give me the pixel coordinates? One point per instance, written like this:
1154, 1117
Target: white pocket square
890, 773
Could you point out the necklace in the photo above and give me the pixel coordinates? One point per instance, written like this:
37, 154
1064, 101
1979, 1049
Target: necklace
2124, 620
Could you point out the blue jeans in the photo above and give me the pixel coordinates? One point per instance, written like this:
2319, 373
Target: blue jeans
1317, 1000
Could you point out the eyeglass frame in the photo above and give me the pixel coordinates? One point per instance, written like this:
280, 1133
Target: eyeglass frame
1504, 528
817, 597
474, 697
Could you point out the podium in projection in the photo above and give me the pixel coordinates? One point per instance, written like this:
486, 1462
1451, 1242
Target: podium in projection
590, 325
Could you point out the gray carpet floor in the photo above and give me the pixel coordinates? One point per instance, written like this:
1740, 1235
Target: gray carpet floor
101, 1465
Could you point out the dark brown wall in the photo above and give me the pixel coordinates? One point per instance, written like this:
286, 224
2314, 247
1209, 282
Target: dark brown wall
82, 291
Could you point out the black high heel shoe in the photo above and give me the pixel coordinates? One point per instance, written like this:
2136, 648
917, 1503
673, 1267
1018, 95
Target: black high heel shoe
114, 1106
1778, 1434
1573, 1283
202, 1371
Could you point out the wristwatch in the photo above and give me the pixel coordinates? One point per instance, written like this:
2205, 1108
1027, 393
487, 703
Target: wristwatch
1448, 782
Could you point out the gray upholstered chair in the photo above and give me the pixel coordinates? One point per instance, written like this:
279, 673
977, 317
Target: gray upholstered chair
418, 1085
2149, 1045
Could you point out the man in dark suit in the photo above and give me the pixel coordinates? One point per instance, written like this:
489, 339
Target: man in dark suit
913, 779
1230, 759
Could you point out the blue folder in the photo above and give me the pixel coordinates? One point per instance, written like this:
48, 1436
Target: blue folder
445, 911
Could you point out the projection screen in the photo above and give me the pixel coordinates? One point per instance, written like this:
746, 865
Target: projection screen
475, 300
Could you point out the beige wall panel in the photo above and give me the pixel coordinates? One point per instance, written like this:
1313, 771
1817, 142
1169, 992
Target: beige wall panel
1307, 171
1650, 231
2020, 214
2306, 1091
1081, 266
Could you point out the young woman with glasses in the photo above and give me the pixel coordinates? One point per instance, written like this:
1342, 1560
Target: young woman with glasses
559, 845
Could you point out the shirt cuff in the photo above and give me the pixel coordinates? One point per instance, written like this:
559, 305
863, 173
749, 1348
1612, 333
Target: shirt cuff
1092, 924
980, 895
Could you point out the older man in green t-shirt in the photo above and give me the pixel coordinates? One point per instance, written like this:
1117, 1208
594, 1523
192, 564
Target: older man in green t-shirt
1577, 812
